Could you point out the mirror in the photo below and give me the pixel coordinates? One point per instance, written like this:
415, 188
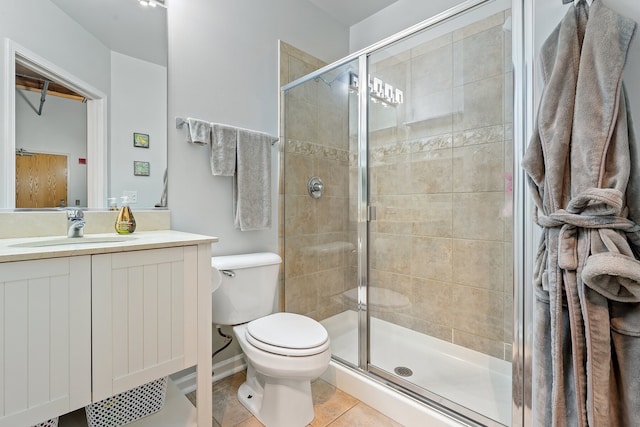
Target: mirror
114, 55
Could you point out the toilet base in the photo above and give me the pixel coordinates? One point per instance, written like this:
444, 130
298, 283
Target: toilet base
277, 402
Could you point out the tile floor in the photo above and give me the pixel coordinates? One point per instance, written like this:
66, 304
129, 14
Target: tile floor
332, 406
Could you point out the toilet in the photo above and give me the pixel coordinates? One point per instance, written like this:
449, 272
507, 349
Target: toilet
284, 351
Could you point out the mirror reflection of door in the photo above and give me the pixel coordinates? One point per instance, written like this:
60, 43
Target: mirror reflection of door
41, 180
51, 123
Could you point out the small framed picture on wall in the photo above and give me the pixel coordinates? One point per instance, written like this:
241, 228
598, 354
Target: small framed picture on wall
140, 140
140, 168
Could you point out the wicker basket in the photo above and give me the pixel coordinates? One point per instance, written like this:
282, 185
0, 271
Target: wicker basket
53, 422
129, 406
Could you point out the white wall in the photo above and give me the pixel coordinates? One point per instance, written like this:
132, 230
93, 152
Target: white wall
223, 67
138, 104
547, 15
61, 129
41, 27
394, 18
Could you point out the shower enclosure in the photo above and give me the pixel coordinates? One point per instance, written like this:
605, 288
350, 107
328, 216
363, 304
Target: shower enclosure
397, 205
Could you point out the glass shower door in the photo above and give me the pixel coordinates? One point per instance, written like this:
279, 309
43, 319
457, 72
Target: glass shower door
319, 238
439, 178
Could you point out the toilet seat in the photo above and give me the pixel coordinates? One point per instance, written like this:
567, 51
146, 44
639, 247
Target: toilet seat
287, 334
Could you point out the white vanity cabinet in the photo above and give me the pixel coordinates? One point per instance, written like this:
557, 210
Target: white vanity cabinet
144, 320
83, 322
45, 338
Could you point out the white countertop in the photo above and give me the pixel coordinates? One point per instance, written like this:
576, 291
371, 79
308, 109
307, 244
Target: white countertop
19, 249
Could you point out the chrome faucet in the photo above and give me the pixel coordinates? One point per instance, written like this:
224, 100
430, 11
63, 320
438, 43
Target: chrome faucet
75, 223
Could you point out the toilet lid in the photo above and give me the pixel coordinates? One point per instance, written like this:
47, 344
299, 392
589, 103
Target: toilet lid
288, 334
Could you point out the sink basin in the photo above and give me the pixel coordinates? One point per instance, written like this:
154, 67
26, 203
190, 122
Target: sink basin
62, 241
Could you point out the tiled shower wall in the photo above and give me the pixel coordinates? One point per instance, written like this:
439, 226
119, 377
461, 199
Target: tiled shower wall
440, 247
440, 180
314, 238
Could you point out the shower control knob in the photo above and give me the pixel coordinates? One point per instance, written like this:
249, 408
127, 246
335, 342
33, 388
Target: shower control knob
315, 187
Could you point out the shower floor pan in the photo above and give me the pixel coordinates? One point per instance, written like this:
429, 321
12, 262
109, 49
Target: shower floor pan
474, 380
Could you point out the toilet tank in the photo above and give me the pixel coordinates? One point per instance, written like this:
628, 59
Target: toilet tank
248, 287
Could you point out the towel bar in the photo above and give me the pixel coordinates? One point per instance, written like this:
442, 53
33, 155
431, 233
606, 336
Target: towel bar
181, 121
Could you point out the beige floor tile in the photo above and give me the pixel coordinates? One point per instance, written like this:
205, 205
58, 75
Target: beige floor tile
251, 422
362, 415
332, 407
227, 409
329, 403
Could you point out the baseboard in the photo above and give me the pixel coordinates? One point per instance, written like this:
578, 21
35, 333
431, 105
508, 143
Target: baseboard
222, 369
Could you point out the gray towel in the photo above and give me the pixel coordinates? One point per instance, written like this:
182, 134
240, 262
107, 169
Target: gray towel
198, 132
252, 181
223, 149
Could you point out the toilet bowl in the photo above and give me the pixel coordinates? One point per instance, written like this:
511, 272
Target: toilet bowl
284, 351
278, 386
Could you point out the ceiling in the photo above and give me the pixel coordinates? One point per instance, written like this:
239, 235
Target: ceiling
28, 79
124, 26
134, 30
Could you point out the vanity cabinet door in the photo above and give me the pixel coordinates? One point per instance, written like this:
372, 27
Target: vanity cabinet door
144, 316
45, 339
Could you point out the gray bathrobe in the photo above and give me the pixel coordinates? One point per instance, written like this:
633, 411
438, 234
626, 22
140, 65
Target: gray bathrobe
582, 165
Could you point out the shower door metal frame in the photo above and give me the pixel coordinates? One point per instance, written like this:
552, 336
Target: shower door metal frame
363, 217
522, 36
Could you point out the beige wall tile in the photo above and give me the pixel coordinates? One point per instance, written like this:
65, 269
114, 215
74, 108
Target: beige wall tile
390, 253
508, 318
301, 120
333, 250
331, 128
432, 175
299, 68
300, 215
331, 214
478, 104
335, 176
477, 216
478, 168
477, 27
508, 97
393, 178
478, 56
297, 170
431, 301
478, 312
382, 137
484, 345
435, 106
430, 258
331, 284
301, 294
291, 50
419, 127
296, 262
432, 215
431, 72
481, 135
431, 44
479, 263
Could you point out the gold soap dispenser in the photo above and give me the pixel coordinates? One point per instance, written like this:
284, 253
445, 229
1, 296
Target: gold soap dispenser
125, 223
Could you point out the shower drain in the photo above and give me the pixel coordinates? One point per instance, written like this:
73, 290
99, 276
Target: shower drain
403, 371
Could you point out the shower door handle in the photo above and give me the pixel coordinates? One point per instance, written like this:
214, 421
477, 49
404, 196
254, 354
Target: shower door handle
371, 213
